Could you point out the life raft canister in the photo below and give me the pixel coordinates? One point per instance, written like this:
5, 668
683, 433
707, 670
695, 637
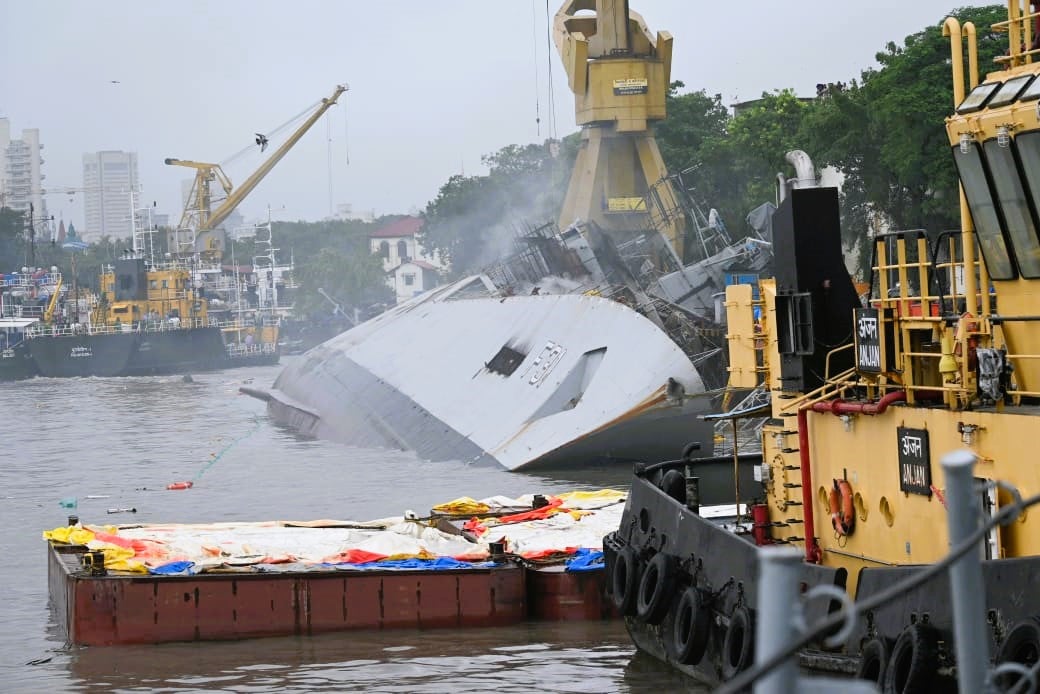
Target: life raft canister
843, 513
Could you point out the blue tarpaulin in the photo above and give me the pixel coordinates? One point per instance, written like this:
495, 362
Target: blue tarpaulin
174, 568
438, 564
586, 560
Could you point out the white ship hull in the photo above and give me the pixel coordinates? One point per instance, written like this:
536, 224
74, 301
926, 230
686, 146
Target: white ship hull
523, 380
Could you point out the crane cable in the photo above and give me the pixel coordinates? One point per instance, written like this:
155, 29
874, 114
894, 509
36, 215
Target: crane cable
553, 160
272, 133
328, 155
549, 59
537, 91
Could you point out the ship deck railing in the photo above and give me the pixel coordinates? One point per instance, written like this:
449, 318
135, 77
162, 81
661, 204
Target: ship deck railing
141, 326
27, 281
240, 349
20, 311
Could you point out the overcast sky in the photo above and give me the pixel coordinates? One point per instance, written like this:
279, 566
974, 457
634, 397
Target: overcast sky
433, 85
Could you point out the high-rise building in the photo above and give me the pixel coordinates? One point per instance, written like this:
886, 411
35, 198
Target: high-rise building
21, 176
109, 178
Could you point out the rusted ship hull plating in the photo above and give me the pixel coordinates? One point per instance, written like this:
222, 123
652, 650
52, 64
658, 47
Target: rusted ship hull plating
136, 609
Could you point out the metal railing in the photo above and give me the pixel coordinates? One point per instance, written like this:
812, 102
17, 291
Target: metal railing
142, 326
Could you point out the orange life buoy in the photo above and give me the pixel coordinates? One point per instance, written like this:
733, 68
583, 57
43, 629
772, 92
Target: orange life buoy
843, 515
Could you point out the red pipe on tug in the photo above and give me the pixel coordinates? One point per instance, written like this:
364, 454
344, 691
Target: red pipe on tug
836, 407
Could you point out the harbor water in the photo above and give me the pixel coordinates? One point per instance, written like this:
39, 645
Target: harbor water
84, 446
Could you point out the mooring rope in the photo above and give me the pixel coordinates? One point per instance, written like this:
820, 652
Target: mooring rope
218, 456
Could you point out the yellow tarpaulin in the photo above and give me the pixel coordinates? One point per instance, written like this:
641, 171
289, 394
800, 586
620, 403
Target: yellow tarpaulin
463, 506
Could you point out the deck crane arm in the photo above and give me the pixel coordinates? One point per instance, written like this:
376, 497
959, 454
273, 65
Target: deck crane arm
210, 220
48, 315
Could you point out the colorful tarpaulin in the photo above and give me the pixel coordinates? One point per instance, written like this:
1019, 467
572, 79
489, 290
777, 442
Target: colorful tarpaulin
564, 527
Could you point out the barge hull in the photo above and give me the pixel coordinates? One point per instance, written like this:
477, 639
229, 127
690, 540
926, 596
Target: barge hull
130, 609
124, 609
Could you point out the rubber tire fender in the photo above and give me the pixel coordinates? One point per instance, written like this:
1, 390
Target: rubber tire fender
655, 588
687, 639
873, 660
1022, 646
738, 646
674, 485
914, 661
624, 581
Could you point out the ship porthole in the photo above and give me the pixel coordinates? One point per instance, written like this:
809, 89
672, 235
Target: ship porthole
655, 588
886, 511
687, 639
861, 506
738, 645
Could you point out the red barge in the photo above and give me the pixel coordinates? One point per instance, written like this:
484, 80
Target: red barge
97, 605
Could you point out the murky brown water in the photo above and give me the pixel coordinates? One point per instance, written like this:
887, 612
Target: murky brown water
126, 439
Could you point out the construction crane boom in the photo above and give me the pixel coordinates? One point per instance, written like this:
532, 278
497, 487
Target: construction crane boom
198, 214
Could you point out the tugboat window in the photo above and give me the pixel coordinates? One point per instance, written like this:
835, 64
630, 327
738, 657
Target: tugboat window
1031, 92
1009, 91
976, 99
983, 212
1012, 197
1027, 146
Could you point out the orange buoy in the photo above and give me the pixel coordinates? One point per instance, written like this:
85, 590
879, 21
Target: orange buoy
179, 485
843, 515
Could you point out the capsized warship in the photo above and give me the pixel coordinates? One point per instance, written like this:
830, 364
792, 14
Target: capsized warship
594, 343
559, 355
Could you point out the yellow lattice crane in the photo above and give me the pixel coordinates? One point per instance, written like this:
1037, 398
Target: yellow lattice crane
199, 217
619, 73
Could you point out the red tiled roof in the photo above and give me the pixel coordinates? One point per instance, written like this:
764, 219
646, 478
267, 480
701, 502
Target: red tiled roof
406, 226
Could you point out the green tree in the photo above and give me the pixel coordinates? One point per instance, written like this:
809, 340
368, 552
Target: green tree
355, 280
748, 158
730, 162
694, 119
885, 133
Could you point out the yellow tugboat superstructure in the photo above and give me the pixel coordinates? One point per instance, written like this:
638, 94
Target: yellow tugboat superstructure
167, 294
867, 393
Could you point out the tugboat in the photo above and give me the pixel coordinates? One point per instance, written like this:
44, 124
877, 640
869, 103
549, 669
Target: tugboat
867, 394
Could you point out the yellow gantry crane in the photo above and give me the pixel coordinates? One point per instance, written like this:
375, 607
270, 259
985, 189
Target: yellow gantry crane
199, 216
619, 73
